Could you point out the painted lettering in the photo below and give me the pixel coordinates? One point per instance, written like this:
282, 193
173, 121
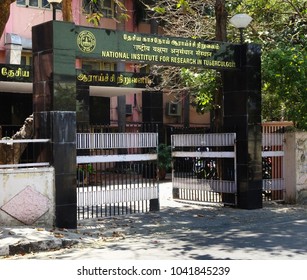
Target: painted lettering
164, 58
11, 73
183, 60
117, 55
144, 57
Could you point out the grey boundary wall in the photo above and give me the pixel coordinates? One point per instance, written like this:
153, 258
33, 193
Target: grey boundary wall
296, 167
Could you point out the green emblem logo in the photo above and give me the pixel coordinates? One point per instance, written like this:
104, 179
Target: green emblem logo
86, 41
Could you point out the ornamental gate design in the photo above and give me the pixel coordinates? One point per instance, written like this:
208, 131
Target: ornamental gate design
116, 174
204, 167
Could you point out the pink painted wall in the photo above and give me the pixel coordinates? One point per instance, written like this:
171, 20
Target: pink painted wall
22, 19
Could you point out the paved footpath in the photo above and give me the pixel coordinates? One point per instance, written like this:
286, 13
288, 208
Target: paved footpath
180, 231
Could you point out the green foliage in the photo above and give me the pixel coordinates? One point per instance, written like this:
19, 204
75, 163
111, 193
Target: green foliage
183, 5
160, 10
95, 11
285, 77
164, 156
94, 18
86, 168
192, 19
84, 171
203, 84
280, 26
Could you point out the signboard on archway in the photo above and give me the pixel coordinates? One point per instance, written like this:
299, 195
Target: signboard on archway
153, 49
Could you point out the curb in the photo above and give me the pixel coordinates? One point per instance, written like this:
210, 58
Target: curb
25, 240
40, 246
37, 246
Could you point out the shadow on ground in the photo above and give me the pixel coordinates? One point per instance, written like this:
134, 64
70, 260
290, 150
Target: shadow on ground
203, 232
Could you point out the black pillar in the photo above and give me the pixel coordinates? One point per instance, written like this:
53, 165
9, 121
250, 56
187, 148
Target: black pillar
242, 114
186, 110
54, 103
83, 104
121, 113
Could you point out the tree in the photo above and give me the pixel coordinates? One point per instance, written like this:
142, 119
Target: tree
221, 15
285, 78
204, 19
11, 153
67, 10
281, 27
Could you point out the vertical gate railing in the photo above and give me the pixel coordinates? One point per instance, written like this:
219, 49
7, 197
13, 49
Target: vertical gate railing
116, 173
273, 184
204, 167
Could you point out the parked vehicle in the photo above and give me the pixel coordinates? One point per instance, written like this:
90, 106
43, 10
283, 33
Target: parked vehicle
204, 168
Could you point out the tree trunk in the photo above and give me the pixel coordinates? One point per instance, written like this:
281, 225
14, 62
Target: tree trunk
4, 13
11, 153
220, 35
221, 21
67, 10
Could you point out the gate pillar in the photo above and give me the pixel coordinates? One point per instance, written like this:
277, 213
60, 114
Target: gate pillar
242, 115
54, 104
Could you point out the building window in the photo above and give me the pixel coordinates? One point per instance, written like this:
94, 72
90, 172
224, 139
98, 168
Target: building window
26, 58
141, 14
105, 7
108, 8
35, 3
21, 2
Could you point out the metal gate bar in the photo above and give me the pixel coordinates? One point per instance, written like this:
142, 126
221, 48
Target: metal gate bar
216, 150
121, 178
273, 184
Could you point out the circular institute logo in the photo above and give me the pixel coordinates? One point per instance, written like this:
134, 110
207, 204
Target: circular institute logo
86, 41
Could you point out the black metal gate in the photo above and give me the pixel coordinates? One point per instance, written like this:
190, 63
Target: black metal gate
116, 174
273, 182
204, 167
